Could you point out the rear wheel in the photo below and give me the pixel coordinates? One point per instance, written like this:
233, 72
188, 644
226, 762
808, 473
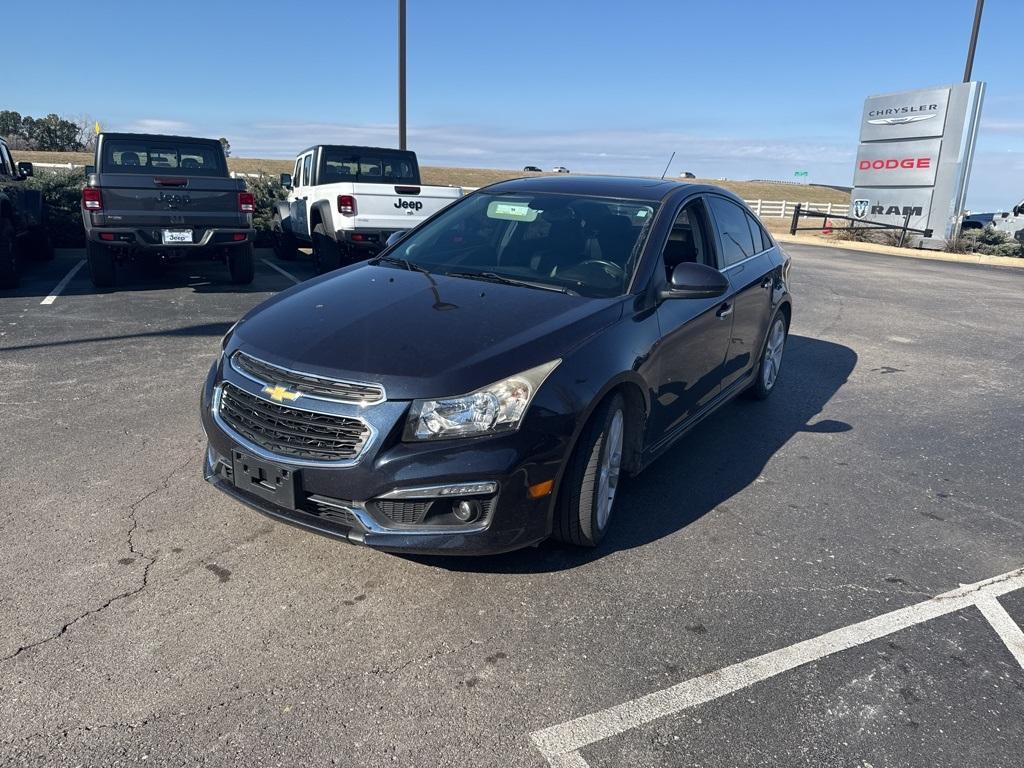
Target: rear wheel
101, 265
587, 498
242, 264
771, 359
8, 256
326, 253
284, 243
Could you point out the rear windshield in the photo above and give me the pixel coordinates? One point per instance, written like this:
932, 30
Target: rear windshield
157, 156
374, 167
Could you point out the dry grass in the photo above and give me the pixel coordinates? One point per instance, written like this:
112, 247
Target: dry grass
478, 177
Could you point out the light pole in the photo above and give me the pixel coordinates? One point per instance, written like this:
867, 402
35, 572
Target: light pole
974, 40
401, 74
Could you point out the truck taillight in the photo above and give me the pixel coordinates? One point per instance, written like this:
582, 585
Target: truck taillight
346, 205
246, 202
92, 199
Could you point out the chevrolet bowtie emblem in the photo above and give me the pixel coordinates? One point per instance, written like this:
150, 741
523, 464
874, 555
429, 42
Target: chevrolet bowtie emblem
280, 394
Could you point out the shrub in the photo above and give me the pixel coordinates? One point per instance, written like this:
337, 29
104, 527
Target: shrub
266, 189
61, 191
988, 241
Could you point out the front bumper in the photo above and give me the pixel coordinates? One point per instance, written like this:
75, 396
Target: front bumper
344, 501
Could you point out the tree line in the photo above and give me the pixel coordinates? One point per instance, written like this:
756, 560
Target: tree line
52, 133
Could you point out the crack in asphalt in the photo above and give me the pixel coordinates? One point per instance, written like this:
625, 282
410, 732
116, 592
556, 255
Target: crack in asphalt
162, 485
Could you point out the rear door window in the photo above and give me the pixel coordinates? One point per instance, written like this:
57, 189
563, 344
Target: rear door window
733, 230
761, 240
6, 163
307, 168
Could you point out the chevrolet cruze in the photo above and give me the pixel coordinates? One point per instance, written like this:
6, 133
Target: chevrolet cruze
484, 382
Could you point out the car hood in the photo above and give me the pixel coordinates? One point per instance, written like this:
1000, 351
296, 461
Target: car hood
418, 335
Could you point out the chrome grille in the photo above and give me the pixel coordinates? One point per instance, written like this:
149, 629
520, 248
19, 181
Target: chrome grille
308, 383
289, 431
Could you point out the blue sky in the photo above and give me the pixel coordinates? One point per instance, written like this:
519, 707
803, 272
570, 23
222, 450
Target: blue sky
738, 89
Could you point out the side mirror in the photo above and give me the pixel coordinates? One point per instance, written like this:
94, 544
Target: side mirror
25, 169
1016, 208
695, 281
286, 180
394, 237
90, 170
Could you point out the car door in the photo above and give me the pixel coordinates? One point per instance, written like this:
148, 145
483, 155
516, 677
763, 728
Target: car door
299, 198
695, 333
749, 267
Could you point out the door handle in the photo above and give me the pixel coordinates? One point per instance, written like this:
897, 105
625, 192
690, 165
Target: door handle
724, 311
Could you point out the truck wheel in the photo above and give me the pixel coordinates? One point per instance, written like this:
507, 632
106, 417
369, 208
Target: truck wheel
101, 265
326, 253
8, 256
40, 247
242, 264
284, 243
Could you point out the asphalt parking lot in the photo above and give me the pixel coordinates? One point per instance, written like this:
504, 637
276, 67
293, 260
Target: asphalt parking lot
779, 589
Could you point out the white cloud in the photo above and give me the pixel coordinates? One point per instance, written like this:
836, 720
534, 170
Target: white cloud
155, 125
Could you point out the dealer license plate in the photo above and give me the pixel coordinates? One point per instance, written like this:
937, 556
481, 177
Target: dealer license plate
175, 236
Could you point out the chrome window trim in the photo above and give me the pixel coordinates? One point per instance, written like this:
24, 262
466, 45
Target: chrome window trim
263, 453
383, 393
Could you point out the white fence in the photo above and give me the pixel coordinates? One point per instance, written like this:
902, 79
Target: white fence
766, 209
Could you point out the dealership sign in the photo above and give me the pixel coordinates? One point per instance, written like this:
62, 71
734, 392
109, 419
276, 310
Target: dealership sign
915, 156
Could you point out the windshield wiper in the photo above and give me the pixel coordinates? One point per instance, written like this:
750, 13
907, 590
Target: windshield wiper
404, 263
494, 277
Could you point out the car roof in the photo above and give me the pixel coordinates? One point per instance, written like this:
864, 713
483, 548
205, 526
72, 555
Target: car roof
157, 136
355, 148
628, 187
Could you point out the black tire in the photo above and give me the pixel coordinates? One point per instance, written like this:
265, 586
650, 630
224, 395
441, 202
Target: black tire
40, 247
576, 510
101, 265
326, 253
763, 384
8, 256
242, 264
285, 247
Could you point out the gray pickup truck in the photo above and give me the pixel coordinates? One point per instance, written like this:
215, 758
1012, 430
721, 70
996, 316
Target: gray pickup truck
156, 198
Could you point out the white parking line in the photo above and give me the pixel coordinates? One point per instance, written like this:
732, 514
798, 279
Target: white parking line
62, 284
1005, 626
291, 277
560, 744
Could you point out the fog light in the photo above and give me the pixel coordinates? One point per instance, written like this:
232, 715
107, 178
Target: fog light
466, 511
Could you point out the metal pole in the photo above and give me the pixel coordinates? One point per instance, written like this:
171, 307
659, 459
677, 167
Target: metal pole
796, 220
974, 41
903, 234
401, 74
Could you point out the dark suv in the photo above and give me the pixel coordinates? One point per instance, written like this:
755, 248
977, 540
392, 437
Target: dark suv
22, 219
157, 198
481, 384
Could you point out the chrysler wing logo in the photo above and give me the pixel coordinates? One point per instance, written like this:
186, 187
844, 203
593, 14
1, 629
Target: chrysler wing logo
902, 120
280, 394
860, 208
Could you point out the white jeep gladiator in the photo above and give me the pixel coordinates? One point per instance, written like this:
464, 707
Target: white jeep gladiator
346, 202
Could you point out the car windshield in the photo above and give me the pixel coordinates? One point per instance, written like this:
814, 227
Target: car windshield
584, 245
162, 156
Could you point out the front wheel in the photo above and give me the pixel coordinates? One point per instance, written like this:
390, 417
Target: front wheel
284, 243
587, 498
771, 359
242, 264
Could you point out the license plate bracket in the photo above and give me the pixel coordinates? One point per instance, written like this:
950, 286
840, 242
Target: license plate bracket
177, 236
264, 478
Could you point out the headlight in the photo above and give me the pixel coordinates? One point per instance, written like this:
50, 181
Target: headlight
499, 407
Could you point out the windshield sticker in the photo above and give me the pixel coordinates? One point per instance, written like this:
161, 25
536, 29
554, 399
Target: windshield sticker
511, 211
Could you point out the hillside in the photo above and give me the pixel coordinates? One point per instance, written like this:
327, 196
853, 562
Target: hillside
478, 177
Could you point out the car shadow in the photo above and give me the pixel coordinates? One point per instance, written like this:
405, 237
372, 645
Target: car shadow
718, 459
200, 275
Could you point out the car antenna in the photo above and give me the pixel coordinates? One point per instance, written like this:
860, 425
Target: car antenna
669, 163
